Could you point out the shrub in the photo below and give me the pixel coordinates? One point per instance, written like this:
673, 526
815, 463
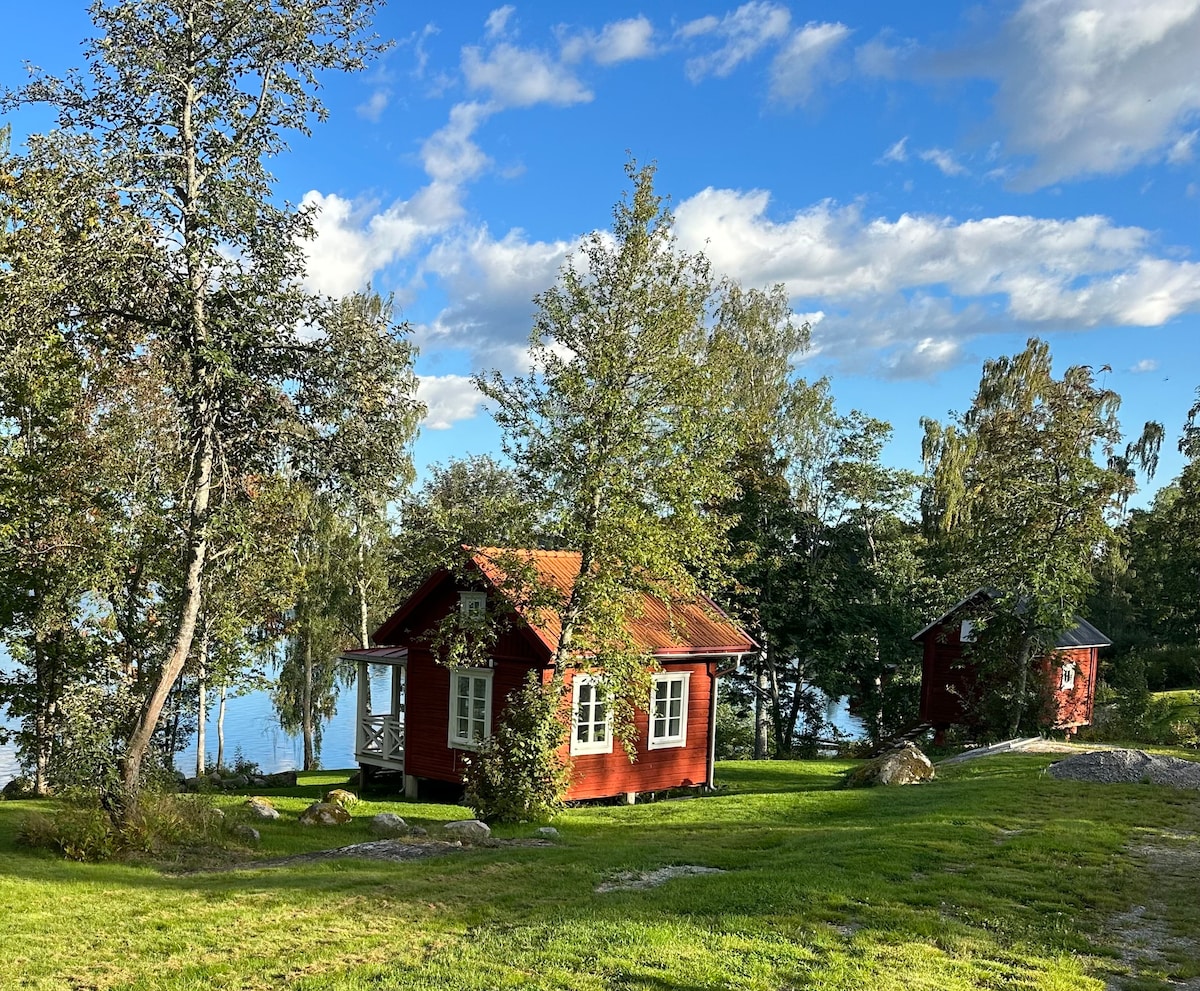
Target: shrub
735, 732
83, 830
519, 774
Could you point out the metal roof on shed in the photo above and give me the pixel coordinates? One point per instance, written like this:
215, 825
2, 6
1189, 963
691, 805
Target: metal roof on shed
1082, 634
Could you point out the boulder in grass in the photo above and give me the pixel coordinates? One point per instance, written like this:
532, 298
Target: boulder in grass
339, 796
548, 832
904, 766
261, 808
388, 824
247, 834
324, 814
471, 830
283, 779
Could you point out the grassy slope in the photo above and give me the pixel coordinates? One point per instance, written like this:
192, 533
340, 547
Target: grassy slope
995, 876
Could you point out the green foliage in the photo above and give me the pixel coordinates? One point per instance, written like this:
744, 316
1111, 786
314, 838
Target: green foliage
1021, 493
519, 773
735, 731
82, 830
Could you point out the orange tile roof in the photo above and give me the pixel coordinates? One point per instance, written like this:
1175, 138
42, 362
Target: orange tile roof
699, 627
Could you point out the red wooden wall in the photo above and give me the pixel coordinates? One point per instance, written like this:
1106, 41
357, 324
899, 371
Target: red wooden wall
946, 682
515, 654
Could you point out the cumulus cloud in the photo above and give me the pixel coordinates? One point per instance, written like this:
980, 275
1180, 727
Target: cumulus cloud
512, 76
448, 399
1143, 366
1092, 87
356, 240
742, 33
804, 62
490, 285
894, 283
620, 41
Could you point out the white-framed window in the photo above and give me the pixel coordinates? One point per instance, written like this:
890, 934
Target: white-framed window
472, 604
1067, 681
668, 710
591, 717
470, 706
966, 632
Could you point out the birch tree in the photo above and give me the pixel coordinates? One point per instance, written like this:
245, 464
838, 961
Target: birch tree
187, 100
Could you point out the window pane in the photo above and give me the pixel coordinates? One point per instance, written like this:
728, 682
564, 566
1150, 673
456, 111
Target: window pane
674, 724
464, 708
581, 732
676, 708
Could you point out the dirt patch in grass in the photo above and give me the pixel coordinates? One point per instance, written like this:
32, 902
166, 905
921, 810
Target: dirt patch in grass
397, 851
635, 881
1148, 938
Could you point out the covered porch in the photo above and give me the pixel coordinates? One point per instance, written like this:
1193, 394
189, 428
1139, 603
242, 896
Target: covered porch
379, 737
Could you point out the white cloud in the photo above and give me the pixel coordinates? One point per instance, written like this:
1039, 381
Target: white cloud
450, 154
354, 242
521, 77
897, 152
1093, 87
448, 399
1181, 151
944, 161
374, 107
620, 41
490, 285
804, 61
497, 21
892, 284
1143, 366
744, 31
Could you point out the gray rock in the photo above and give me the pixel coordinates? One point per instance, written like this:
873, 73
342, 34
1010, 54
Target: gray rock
247, 834
417, 831
387, 824
324, 814
283, 779
904, 766
471, 830
236, 781
260, 808
548, 831
342, 797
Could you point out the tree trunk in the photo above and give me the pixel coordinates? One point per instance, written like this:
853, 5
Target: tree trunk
1024, 657
306, 715
762, 712
221, 728
201, 703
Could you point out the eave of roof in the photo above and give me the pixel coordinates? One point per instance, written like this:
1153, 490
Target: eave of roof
1082, 634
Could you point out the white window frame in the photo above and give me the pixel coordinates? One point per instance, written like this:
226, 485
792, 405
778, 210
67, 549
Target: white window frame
654, 740
1066, 681
469, 742
591, 746
472, 604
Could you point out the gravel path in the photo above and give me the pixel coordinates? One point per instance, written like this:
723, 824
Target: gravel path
1128, 767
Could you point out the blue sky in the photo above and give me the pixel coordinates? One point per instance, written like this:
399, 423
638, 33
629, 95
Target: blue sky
933, 183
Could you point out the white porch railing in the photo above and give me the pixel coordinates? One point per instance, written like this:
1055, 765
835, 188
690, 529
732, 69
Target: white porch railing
381, 740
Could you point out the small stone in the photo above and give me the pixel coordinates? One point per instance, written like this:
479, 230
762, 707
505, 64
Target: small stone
324, 814
387, 824
339, 796
247, 834
417, 831
471, 830
548, 831
261, 808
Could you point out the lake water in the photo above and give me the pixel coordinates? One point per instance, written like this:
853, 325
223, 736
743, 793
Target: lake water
252, 731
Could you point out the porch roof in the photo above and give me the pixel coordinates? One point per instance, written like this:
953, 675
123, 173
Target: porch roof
377, 655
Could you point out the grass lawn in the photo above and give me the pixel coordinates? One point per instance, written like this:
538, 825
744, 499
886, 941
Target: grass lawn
994, 876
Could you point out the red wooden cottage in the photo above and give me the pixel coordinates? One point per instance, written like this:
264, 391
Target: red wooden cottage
436, 715
949, 683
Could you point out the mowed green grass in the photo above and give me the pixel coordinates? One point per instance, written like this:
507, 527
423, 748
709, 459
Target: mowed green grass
995, 876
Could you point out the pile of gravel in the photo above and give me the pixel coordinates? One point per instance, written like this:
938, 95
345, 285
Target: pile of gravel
1128, 767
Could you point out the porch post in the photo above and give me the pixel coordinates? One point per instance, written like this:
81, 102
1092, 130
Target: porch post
364, 697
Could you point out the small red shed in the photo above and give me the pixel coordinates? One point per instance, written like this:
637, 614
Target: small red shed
436, 715
949, 683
